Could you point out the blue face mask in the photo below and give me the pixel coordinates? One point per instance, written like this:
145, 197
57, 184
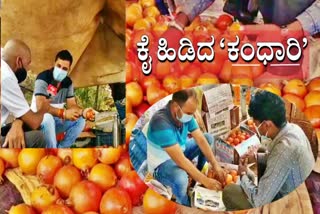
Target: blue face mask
185, 117
59, 74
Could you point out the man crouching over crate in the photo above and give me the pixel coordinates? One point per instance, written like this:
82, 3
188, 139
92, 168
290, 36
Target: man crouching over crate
170, 152
287, 163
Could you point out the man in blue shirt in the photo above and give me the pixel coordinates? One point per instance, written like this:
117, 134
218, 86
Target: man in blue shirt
170, 152
289, 159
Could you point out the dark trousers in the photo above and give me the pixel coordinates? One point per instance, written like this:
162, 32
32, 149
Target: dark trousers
33, 139
234, 198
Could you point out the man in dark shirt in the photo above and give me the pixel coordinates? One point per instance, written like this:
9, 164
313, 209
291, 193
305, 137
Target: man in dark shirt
55, 83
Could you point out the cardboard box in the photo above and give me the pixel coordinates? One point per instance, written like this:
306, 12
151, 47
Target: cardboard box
219, 124
217, 103
217, 99
231, 154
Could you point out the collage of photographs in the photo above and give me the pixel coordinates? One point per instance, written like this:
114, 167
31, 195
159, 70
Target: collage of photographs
160, 107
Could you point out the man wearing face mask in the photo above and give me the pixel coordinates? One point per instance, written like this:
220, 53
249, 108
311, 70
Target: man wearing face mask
170, 152
55, 83
16, 58
289, 156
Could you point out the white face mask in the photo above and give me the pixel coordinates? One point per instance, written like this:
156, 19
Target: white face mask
185, 117
59, 74
264, 139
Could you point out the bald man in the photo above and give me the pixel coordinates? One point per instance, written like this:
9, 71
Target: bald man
15, 61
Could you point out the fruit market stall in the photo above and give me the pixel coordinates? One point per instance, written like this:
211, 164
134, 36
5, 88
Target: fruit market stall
237, 135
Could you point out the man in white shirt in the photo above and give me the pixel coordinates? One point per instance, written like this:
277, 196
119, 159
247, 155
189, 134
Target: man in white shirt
15, 59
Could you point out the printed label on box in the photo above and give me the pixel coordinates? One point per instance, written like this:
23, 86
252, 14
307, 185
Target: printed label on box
224, 152
219, 99
219, 124
208, 199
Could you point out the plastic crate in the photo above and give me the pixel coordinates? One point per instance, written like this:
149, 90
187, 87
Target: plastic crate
106, 138
138, 148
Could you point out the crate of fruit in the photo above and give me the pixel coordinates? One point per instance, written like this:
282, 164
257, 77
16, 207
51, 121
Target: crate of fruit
240, 142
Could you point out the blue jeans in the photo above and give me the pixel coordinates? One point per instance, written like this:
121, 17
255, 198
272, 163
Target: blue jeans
51, 126
169, 174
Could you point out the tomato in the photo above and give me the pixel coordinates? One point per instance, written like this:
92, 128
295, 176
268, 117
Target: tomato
256, 70
85, 196
43, 197
154, 94
229, 179
134, 93
297, 101
207, 78
225, 74
162, 69
129, 71
58, 209
128, 36
65, 178
296, 87
159, 28
312, 98
123, 166
84, 158
109, 155
250, 122
133, 13
128, 107
47, 168
234, 30
186, 82
65, 155
151, 11
147, 3
131, 120
10, 157
313, 115
242, 137
28, 160
103, 175
223, 22
213, 67
230, 139
314, 85
141, 109
242, 81
115, 201
2, 169
141, 24
195, 23
154, 203
241, 71
171, 84
236, 141
193, 71
22, 208
136, 37
90, 114
148, 81
132, 184
271, 88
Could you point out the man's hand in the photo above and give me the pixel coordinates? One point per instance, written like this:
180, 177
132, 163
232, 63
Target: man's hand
72, 114
243, 166
89, 114
15, 136
220, 174
212, 184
